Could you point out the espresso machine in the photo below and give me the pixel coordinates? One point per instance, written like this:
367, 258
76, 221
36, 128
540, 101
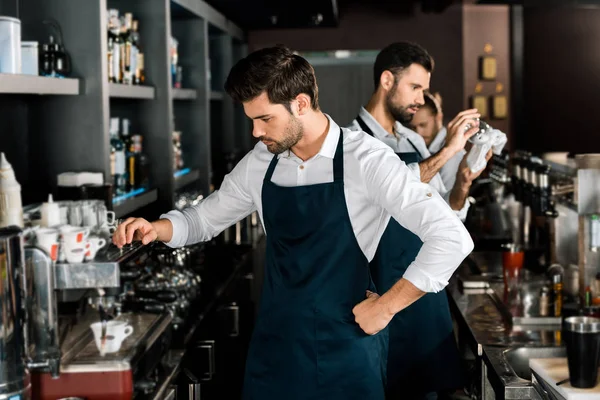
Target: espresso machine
139, 369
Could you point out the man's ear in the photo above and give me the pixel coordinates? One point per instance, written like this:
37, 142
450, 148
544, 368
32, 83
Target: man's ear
302, 104
386, 81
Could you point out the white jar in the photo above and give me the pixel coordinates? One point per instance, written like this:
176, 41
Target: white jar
11, 207
29, 58
10, 45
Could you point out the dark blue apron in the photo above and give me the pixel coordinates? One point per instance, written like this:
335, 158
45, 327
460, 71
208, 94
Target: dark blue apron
306, 343
423, 356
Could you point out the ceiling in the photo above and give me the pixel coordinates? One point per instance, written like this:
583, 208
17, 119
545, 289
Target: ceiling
265, 14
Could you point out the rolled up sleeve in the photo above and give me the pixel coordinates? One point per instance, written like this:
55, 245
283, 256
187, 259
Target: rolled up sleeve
221, 209
420, 209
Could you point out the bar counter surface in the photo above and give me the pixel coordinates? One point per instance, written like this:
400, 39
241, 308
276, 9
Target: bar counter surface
502, 332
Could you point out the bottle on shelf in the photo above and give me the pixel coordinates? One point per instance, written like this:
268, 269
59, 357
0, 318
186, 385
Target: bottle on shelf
117, 144
140, 164
178, 163
114, 47
176, 71
135, 48
126, 138
126, 28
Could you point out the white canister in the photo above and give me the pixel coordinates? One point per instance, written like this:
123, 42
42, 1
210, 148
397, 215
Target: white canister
29, 58
10, 45
11, 207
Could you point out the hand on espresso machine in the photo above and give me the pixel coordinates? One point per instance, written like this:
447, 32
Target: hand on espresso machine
139, 229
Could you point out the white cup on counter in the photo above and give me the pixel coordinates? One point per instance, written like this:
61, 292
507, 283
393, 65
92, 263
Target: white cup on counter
74, 240
116, 333
47, 239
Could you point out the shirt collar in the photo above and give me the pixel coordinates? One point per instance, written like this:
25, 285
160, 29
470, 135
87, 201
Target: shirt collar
372, 123
329, 145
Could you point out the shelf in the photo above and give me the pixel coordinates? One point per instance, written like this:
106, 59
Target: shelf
214, 95
185, 177
205, 11
31, 84
185, 94
117, 90
133, 201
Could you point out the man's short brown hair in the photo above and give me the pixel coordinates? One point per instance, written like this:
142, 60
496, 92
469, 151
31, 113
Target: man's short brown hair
278, 72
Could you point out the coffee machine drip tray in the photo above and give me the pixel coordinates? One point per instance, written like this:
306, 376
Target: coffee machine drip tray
83, 355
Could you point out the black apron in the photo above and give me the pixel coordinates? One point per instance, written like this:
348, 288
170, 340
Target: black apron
423, 356
306, 344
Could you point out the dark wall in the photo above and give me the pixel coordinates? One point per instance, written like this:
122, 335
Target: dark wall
561, 79
487, 25
362, 27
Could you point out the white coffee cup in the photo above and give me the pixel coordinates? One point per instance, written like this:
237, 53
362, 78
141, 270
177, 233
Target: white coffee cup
74, 240
92, 246
47, 239
116, 332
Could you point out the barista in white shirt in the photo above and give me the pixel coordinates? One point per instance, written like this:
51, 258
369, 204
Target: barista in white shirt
324, 195
423, 360
428, 122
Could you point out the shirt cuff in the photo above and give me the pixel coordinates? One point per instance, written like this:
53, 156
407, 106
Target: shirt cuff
422, 280
180, 228
462, 213
414, 167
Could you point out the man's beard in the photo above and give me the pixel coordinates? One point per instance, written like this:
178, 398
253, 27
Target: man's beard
293, 133
399, 113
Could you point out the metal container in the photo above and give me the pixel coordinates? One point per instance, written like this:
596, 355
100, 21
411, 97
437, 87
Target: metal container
29, 58
10, 45
14, 376
44, 346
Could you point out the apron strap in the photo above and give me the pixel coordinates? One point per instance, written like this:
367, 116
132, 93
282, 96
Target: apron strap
364, 126
271, 168
416, 150
338, 160
369, 131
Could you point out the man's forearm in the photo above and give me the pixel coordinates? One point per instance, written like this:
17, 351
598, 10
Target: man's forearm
433, 164
164, 230
401, 295
459, 195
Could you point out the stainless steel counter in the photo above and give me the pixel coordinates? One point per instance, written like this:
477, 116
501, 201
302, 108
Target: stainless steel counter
502, 329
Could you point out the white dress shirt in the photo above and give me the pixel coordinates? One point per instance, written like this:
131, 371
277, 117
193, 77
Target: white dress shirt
402, 142
377, 186
450, 169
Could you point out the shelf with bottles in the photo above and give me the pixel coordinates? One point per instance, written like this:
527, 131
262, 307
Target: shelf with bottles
177, 71
130, 168
36, 69
125, 59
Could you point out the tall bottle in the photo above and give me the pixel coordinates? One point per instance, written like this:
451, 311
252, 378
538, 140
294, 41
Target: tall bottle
142, 164
11, 207
126, 138
135, 49
127, 48
116, 143
114, 34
